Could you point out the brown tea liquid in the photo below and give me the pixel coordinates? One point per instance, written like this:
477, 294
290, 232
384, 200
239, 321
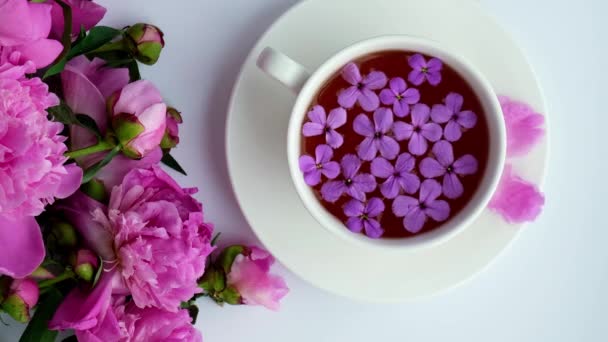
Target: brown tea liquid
474, 141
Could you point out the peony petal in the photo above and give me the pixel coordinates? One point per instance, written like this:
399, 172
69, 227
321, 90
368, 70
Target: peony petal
441, 113
375, 80
517, 200
136, 97
417, 61
452, 187
350, 165
398, 85
365, 182
332, 191
402, 130
444, 153
41, 52
383, 120
403, 205
85, 14
354, 208
467, 119
420, 114
69, 182
373, 229
390, 188
108, 80
431, 131
317, 115
334, 139
524, 126
438, 210
410, 183
307, 163
414, 221
311, 129
388, 147
323, 154
434, 78
82, 310
354, 224
336, 118
387, 97
430, 189
312, 178
368, 100
452, 131
351, 74
418, 144
367, 149
331, 170
431, 168
382, 168
363, 126
348, 97
374, 207
416, 77
113, 173
405, 163
466, 165
22, 246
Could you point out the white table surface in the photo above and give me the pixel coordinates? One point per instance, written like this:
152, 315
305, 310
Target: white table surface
551, 285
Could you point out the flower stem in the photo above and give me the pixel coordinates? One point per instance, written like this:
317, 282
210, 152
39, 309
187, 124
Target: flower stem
99, 147
109, 47
67, 274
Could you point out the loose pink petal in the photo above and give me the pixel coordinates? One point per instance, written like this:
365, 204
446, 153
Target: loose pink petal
22, 246
524, 126
517, 200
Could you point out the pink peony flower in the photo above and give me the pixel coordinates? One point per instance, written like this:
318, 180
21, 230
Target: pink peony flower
147, 42
32, 170
139, 118
128, 322
24, 28
85, 13
516, 200
152, 237
21, 298
250, 276
524, 126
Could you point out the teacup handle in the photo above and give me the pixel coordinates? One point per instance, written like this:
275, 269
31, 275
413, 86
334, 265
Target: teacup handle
283, 69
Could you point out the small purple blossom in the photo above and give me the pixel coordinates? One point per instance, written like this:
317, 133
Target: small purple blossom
364, 217
400, 96
320, 165
397, 177
376, 138
362, 88
423, 70
415, 211
419, 131
444, 165
320, 123
456, 119
352, 183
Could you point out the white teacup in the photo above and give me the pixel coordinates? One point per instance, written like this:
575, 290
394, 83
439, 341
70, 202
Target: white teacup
306, 85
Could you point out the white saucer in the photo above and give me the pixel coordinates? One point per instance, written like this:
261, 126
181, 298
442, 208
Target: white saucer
256, 146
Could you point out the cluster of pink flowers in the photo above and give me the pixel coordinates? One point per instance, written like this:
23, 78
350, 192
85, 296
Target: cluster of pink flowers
130, 245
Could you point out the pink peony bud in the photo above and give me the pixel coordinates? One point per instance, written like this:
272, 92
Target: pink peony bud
86, 264
250, 276
138, 117
146, 42
22, 297
171, 137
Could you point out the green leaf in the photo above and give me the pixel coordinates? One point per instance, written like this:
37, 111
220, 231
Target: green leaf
172, 163
37, 330
81, 35
55, 68
215, 238
119, 63
92, 171
88, 123
97, 37
134, 71
193, 312
62, 113
66, 41
227, 256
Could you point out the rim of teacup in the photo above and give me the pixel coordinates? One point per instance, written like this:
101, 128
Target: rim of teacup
491, 107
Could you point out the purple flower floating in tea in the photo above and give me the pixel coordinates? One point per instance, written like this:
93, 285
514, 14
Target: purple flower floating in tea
456, 119
321, 123
397, 177
444, 165
415, 211
376, 135
363, 217
313, 168
352, 183
399, 96
362, 88
423, 70
420, 131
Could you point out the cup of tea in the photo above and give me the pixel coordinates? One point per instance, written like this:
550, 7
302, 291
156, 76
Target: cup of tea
395, 142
